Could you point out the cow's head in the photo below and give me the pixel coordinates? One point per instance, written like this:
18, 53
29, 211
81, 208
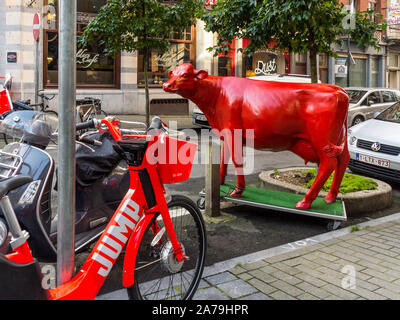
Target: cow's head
182, 79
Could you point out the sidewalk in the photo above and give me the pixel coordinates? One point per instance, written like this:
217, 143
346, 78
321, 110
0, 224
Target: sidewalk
358, 263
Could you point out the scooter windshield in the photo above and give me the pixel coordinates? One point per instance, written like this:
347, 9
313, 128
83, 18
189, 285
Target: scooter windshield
32, 127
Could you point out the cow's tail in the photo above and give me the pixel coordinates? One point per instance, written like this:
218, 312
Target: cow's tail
335, 150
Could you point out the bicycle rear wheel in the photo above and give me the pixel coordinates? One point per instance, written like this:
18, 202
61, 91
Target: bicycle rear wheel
158, 275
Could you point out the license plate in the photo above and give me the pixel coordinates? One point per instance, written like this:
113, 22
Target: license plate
201, 118
372, 160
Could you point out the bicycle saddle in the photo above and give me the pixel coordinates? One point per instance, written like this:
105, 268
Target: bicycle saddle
13, 182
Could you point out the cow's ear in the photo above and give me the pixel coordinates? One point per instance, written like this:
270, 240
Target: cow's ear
200, 74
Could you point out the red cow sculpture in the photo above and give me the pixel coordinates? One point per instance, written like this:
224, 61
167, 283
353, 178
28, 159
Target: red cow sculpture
306, 118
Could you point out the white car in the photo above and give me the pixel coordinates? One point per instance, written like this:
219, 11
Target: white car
365, 102
374, 145
199, 119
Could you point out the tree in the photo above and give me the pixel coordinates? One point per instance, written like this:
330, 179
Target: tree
139, 25
297, 26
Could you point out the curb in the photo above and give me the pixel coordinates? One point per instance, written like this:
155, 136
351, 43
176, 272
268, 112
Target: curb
355, 202
226, 265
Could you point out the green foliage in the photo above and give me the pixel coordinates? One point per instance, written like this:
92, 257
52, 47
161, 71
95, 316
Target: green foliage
297, 25
139, 25
350, 183
131, 25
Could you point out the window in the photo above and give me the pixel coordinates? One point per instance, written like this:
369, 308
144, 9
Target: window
358, 73
372, 98
93, 68
374, 72
181, 50
388, 96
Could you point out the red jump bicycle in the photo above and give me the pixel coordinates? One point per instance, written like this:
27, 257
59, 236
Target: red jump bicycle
165, 235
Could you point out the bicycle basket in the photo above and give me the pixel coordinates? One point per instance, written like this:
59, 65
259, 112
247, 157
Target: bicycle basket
175, 159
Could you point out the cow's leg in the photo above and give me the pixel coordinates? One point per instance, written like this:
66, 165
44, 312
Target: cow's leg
236, 152
325, 170
342, 161
224, 163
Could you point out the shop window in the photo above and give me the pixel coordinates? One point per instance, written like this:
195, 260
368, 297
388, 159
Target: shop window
94, 69
300, 66
224, 66
264, 62
181, 50
358, 73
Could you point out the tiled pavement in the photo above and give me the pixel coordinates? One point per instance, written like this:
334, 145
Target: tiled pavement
351, 264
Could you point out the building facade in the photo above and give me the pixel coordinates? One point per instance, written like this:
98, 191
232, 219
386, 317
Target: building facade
119, 81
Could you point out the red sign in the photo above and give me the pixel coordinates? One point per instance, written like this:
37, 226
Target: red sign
36, 26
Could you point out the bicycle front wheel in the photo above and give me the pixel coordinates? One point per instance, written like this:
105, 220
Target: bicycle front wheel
158, 274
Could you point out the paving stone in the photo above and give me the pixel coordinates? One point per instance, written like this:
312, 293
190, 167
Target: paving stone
385, 284
317, 292
339, 292
245, 276
312, 280
285, 287
286, 277
285, 268
220, 278
255, 265
237, 288
266, 277
307, 296
367, 294
280, 295
389, 294
237, 270
256, 296
333, 297
269, 269
325, 256
261, 286
380, 275
210, 293
345, 256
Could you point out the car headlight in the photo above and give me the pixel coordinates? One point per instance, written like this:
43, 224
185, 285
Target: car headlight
352, 139
3, 232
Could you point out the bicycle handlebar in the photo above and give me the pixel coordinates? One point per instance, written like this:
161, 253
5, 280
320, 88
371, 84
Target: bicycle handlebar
85, 125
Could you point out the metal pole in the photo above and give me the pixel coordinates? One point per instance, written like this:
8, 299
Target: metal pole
66, 142
348, 54
36, 70
212, 197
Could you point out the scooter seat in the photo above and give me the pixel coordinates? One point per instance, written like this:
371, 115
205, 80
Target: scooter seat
13, 182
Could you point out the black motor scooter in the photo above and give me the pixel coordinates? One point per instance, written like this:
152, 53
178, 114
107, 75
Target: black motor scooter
102, 179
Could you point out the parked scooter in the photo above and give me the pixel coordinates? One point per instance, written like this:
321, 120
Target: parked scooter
6, 104
102, 181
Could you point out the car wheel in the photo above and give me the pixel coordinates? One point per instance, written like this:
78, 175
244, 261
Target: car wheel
357, 120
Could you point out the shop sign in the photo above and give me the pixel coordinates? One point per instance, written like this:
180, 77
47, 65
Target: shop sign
11, 57
266, 67
341, 68
393, 15
83, 57
170, 59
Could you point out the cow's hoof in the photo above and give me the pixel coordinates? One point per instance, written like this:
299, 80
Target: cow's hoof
303, 204
330, 198
237, 192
